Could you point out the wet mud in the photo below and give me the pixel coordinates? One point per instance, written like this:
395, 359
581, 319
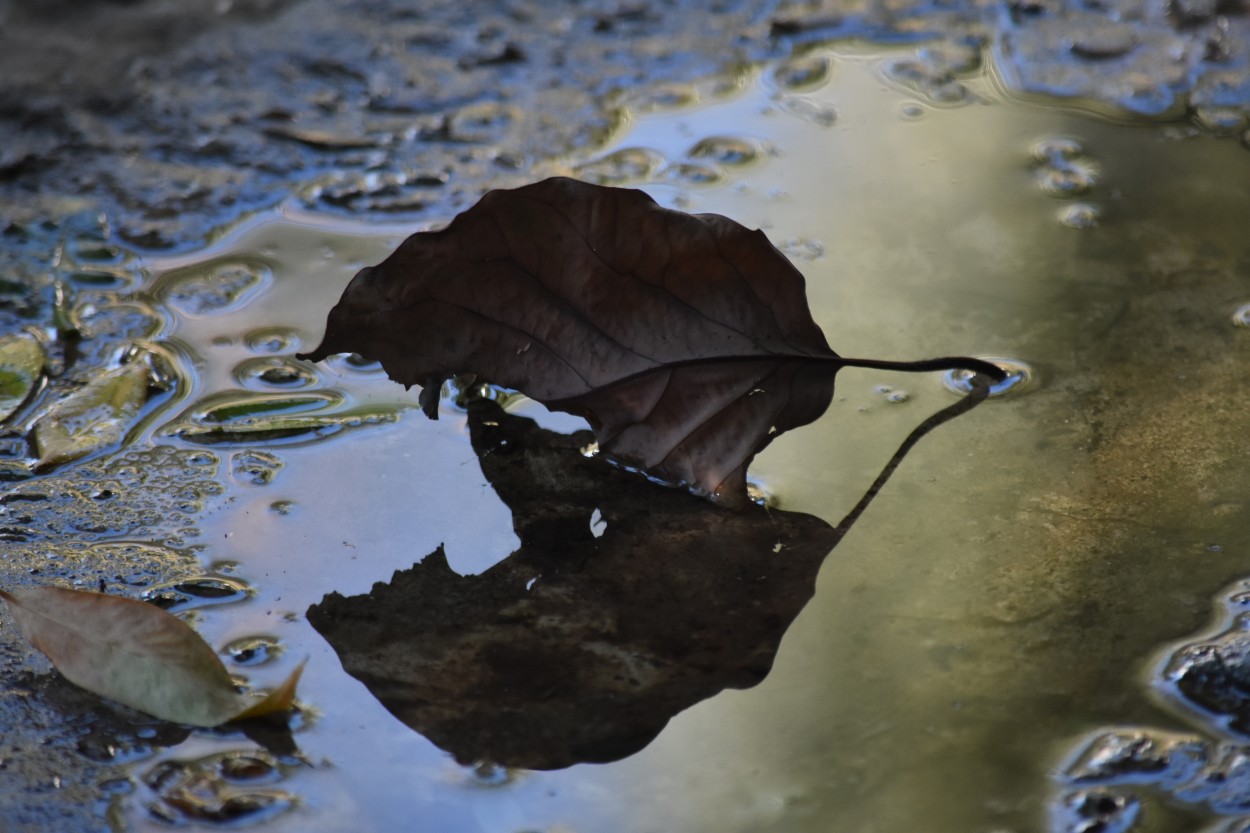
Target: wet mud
138, 128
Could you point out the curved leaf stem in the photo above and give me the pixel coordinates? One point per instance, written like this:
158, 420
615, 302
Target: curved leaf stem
978, 366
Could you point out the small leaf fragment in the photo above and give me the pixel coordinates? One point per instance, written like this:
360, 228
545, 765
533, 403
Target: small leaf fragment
93, 417
21, 365
279, 700
136, 654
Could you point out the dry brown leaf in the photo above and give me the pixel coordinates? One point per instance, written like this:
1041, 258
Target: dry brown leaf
685, 340
136, 654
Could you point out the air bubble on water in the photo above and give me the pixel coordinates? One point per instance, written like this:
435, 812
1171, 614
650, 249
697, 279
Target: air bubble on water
220, 789
1241, 316
814, 112
486, 774
1020, 377
803, 72
1056, 150
1072, 180
1222, 121
802, 248
213, 288
1079, 215
623, 166
272, 340
282, 507
911, 110
257, 468
196, 592
1105, 40
897, 396
726, 150
689, 173
663, 97
269, 372
352, 365
251, 651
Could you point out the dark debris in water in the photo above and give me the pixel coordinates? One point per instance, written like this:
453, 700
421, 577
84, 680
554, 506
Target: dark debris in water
224, 108
1116, 769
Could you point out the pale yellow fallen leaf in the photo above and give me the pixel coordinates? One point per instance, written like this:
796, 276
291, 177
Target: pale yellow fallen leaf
136, 654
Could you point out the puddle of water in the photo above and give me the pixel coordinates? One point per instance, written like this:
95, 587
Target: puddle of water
1001, 600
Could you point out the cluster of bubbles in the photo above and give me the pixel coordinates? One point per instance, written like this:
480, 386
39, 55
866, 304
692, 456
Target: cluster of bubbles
706, 162
934, 72
213, 288
227, 788
1065, 171
799, 74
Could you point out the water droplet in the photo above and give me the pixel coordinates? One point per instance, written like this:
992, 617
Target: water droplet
213, 288
1079, 215
726, 150
196, 592
272, 340
1020, 377
250, 651
626, 165
270, 372
255, 467
803, 72
1241, 316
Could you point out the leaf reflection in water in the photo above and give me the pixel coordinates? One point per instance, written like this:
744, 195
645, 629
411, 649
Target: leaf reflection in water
624, 605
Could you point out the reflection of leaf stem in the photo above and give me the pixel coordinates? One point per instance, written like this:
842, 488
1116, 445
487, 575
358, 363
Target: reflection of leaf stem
980, 390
